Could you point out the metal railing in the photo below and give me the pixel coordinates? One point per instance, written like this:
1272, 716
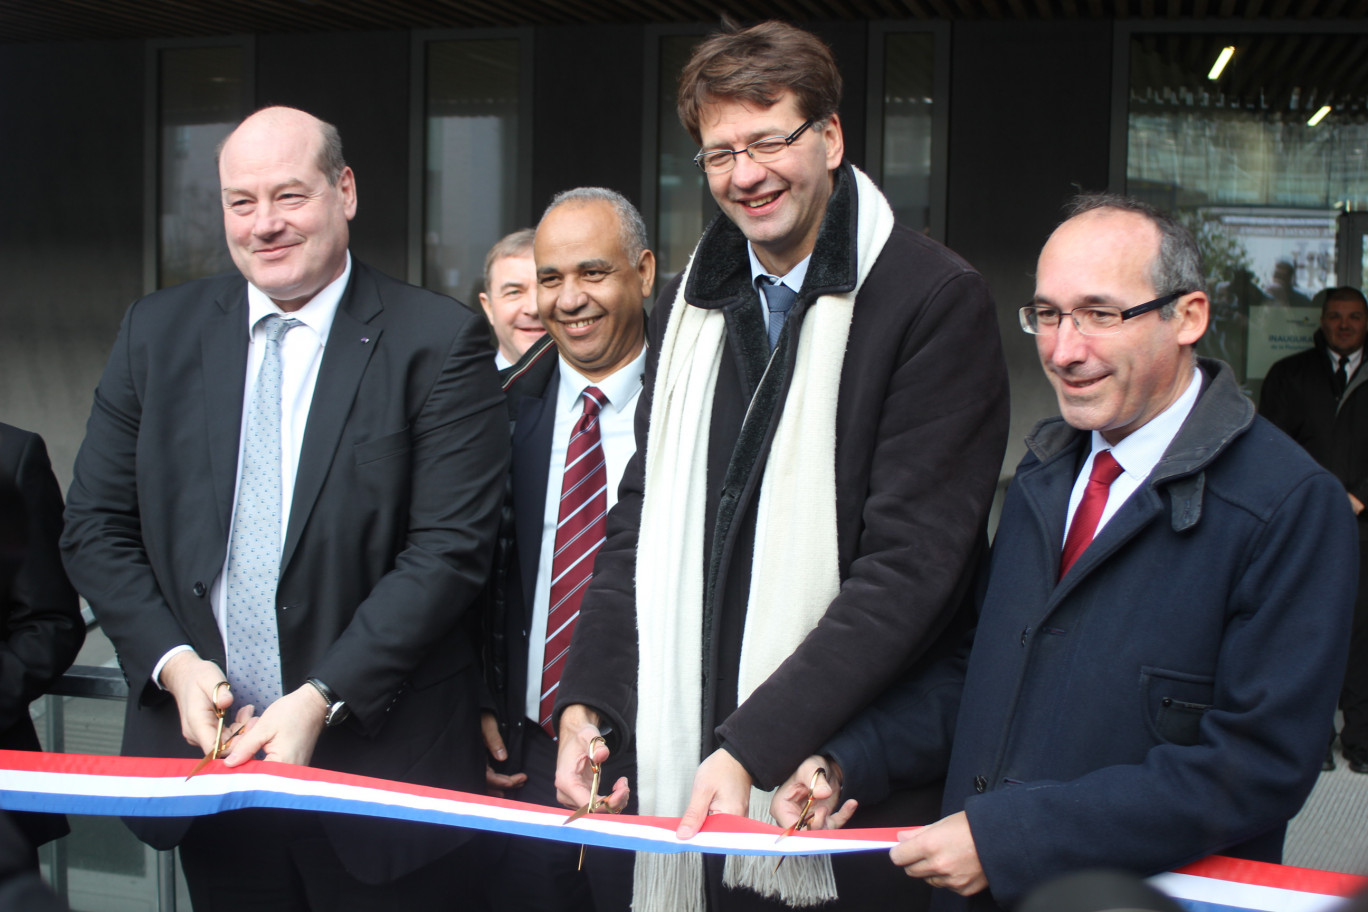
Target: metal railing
92, 682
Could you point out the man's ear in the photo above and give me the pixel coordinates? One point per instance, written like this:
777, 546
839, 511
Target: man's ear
646, 268
835, 142
1193, 313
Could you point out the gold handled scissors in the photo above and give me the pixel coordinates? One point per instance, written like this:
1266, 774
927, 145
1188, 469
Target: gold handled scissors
595, 802
805, 818
220, 743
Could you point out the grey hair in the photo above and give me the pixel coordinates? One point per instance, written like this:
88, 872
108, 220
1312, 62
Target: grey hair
1178, 267
631, 226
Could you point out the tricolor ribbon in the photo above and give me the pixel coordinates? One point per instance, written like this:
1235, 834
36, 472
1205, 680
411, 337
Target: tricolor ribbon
143, 787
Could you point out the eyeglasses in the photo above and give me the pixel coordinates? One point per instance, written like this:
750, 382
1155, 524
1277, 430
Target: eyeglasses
1090, 319
720, 161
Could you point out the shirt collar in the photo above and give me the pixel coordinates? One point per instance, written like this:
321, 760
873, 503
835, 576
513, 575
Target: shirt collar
793, 280
317, 314
1142, 449
1349, 366
619, 386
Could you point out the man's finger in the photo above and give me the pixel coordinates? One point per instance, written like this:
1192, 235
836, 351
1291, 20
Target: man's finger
504, 780
494, 743
694, 815
841, 817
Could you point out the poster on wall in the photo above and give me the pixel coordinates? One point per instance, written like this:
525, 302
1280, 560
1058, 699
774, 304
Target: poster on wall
1276, 332
1264, 269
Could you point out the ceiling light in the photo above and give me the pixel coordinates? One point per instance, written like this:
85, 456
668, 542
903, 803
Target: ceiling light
1318, 116
1221, 60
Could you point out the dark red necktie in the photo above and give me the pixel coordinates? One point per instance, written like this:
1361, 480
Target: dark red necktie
1105, 470
579, 533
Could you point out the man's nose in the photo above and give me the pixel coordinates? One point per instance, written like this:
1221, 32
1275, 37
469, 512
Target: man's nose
747, 172
268, 220
1070, 345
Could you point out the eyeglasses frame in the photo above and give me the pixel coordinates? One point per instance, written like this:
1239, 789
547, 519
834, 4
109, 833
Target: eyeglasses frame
787, 140
1127, 314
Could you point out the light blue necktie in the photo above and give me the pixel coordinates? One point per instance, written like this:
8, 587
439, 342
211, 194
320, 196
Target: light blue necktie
779, 299
254, 550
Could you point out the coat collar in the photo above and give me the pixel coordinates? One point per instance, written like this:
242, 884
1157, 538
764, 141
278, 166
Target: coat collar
721, 266
1222, 413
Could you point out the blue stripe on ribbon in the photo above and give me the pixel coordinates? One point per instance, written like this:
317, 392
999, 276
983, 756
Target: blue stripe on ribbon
200, 805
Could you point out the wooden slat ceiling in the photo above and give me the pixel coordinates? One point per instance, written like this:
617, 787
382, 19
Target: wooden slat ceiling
67, 20
1279, 77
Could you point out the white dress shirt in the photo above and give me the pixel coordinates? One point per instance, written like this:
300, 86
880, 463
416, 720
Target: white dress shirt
618, 439
794, 280
301, 353
1137, 455
1349, 366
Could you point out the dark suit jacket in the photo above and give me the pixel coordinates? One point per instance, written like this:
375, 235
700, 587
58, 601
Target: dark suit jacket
532, 387
388, 540
41, 629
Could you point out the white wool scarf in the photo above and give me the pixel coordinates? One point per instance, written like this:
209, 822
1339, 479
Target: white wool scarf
794, 568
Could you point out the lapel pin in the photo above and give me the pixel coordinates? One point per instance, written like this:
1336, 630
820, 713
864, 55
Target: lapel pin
365, 339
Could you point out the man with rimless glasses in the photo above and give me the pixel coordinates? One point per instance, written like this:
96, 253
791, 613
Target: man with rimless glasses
819, 436
1171, 578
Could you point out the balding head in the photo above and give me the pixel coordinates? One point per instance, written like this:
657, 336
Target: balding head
286, 212
1113, 379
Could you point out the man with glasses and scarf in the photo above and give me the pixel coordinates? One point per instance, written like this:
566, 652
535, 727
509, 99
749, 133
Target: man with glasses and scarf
819, 437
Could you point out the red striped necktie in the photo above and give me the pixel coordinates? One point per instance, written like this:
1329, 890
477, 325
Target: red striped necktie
1105, 470
579, 533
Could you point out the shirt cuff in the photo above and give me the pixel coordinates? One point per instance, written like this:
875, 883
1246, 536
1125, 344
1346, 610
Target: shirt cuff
157, 669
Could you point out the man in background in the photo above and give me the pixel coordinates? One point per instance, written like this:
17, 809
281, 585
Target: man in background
509, 299
1320, 398
41, 628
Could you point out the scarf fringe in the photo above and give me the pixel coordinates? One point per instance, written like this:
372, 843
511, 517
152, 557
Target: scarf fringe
802, 881
668, 883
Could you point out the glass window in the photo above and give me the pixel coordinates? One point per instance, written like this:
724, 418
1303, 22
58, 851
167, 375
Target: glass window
472, 159
1255, 167
908, 102
684, 204
202, 94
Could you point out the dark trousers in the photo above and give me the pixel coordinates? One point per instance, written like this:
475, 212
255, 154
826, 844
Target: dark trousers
267, 860
1354, 695
538, 875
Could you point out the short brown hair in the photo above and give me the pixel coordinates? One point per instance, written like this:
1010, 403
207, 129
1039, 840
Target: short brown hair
757, 65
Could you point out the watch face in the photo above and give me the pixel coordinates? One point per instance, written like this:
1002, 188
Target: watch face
337, 712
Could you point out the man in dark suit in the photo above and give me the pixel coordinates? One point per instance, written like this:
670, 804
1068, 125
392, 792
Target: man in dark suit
1160, 543
820, 434
593, 274
328, 591
1319, 397
41, 629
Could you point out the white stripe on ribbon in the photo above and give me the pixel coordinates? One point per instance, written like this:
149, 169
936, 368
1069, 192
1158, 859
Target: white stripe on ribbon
1243, 896
141, 787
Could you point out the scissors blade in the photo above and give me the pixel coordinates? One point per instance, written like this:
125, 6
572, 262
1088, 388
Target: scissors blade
201, 765
577, 815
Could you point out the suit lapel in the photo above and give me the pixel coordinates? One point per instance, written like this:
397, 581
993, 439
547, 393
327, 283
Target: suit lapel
350, 345
223, 345
531, 473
